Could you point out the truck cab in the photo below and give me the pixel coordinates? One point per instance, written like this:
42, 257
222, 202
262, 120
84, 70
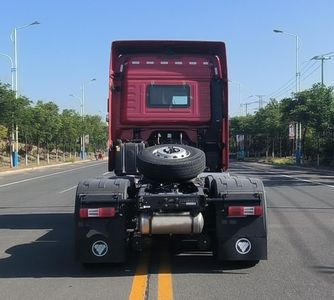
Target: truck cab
168, 91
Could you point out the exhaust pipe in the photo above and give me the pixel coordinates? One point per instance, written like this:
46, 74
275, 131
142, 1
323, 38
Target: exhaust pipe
171, 223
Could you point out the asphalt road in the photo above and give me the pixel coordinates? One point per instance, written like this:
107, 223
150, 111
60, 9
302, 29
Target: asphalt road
37, 257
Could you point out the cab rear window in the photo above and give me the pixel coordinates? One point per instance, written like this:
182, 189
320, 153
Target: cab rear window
168, 96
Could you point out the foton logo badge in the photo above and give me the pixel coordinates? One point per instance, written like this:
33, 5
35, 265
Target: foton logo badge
243, 246
100, 248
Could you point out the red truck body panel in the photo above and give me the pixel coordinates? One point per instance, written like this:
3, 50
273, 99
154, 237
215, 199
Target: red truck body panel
139, 72
138, 69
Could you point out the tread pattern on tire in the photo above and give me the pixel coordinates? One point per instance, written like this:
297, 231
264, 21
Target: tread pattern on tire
171, 170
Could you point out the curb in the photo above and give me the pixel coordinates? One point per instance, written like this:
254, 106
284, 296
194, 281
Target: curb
15, 171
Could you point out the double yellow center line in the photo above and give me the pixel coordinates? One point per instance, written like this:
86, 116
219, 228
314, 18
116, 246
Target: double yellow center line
139, 288
165, 284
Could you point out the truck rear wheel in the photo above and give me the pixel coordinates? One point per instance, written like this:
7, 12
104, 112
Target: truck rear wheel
171, 162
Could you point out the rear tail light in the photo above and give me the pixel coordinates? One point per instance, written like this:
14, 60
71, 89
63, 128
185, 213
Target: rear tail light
102, 212
243, 211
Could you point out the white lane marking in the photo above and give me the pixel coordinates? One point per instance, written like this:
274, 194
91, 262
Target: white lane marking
308, 181
289, 176
44, 176
69, 189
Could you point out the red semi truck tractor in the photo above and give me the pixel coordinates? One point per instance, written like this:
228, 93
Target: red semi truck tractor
168, 157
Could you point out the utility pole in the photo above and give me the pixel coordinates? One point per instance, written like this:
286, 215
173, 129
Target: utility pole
248, 103
260, 100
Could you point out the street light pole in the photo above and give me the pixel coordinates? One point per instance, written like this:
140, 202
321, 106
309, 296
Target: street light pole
82, 112
83, 118
297, 65
14, 39
15, 59
81, 115
322, 58
297, 55
298, 125
11, 69
83, 150
14, 69
11, 150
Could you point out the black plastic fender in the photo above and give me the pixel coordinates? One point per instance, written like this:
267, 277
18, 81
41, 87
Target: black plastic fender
101, 240
239, 238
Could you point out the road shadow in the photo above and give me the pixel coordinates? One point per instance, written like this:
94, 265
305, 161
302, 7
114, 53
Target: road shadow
52, 255
185, 258
324, 269
274, 181
288, 175
189, 262
301, 208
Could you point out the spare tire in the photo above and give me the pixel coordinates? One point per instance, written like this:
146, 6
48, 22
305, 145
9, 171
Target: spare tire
171, 162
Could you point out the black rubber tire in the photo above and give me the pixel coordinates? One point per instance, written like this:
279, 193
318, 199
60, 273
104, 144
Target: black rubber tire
171, 170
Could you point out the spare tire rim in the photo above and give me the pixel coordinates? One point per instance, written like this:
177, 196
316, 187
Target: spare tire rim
171, 152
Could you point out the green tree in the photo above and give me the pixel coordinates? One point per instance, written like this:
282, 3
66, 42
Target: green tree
50, 124
318, 103
70, 129
269, 124
97, 131
12, 109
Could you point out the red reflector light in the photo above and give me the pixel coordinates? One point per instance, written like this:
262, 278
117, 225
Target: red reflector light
243, 211
106, 212
102, 212
83, 213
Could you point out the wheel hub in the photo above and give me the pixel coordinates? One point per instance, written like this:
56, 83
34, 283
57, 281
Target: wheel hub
171, 152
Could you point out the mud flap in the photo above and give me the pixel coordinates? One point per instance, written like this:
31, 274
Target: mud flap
101, 240
241, 249
240, 238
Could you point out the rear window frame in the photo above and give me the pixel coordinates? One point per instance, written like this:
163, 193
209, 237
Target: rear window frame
168, 105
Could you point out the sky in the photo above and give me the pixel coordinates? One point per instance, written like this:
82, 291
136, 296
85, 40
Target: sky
71, 46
